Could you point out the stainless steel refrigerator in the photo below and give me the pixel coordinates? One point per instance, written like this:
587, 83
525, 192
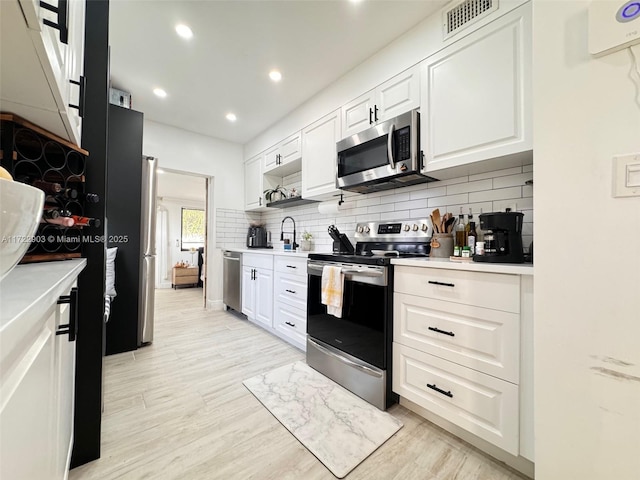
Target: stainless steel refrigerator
148, 247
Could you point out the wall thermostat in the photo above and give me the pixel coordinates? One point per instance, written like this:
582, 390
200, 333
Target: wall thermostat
613, 25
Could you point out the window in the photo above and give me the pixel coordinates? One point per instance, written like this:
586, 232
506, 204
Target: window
193, 228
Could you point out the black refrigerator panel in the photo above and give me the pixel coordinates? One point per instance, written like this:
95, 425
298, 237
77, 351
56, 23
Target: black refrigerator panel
124, 216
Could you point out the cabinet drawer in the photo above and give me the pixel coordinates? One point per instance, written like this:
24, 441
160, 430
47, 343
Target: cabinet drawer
291, 289
479, 403
257, 261
185, 272
488, 290
479, 338
293, 265
291, 323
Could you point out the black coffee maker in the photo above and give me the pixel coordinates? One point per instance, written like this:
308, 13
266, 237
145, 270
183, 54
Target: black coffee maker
502, 238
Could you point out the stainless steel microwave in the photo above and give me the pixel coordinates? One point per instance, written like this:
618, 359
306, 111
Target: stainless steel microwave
384, 156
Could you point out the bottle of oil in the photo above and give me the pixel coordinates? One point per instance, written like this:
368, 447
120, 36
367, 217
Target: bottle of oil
472, 236
461, 237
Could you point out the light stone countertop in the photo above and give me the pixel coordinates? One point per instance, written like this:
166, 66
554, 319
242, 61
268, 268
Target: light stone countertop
30, 289
271, 251
445, 263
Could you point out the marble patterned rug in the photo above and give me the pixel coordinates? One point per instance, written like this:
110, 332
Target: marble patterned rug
338, 427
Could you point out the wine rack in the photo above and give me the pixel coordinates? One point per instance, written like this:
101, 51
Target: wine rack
37, 157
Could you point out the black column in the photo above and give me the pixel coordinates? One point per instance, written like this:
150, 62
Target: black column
91, 283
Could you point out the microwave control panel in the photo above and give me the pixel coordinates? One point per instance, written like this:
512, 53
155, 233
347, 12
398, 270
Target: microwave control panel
403, 144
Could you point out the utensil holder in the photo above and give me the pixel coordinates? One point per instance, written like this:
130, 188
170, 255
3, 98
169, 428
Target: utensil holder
441, 245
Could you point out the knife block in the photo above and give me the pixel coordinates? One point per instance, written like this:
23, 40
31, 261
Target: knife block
343, 245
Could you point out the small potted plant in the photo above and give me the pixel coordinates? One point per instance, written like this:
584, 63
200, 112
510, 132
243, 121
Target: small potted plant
274, 194
305, 243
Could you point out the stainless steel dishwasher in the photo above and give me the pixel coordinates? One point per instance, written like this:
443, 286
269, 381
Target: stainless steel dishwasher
232, 280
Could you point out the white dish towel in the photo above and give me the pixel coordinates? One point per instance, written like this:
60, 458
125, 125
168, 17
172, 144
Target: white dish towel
332, 286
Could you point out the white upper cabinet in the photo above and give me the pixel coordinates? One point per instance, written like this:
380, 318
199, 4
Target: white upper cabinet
397, 95
253, 198
40, 63
476, 95
284, 159
319, 161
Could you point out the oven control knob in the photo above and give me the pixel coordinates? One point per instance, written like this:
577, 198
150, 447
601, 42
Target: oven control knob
425, 227
366, 229
414, 228
406, 228
359, 229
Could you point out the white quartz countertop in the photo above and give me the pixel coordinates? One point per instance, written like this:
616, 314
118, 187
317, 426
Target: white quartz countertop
270, 251
30, 289
509, 268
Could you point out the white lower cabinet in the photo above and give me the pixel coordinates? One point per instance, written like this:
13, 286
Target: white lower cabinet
257, 288
461, 351
290, 300
484, 405
37, 387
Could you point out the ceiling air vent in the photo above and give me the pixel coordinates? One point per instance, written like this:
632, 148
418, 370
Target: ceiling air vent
465, 14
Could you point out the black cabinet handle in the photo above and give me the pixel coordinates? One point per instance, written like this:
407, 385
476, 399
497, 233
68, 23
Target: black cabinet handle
439, 390
61, 12
432, 282
290, 291
375, 114
434, 329
370, 116
291, 266
260, 201
72, 327
81, 97
290, 324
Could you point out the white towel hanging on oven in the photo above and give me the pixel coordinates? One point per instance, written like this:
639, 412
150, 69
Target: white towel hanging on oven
332, 286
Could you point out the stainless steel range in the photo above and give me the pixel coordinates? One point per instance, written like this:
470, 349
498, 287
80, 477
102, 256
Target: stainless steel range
355, 349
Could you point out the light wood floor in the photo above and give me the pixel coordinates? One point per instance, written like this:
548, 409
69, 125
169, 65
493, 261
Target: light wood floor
178, 410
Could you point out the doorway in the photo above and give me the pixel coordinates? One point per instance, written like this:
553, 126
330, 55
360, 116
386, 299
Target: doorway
181, 229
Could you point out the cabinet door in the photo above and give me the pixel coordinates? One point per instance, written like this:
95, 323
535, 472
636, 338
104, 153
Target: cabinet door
27, 415
398, 95
271, 158
75, 67
476, 100
357, 115
248, 293
253, 183
64, 388
264, 297
319, 158
290, 149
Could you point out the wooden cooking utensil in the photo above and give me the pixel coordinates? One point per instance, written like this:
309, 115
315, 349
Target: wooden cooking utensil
435, 220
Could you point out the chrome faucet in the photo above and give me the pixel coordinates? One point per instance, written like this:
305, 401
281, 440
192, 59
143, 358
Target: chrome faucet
282, 232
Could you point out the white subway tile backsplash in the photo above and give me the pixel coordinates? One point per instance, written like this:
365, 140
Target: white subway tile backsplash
499, 194
512, 180
477, 186
428, 193
495, 174
448, 200
487, 192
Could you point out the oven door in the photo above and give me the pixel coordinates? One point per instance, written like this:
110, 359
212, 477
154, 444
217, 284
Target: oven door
366, 312
385, 151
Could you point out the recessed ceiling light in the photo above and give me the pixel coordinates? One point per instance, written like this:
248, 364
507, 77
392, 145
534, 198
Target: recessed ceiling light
160, 92
184, 31
231, 117
275, 75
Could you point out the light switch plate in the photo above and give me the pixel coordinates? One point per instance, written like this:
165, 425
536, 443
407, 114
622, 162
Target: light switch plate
626, 175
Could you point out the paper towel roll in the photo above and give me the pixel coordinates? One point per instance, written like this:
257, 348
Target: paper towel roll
329, 208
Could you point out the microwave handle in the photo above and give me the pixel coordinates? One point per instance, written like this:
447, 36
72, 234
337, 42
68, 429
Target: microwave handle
392, 162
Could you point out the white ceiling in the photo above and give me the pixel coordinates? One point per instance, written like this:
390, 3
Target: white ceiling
173, 185
224, 67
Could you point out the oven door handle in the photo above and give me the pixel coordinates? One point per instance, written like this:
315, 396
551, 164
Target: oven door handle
364, 273
343, 359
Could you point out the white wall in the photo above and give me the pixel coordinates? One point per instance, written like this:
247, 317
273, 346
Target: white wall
185, 151
587, 263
